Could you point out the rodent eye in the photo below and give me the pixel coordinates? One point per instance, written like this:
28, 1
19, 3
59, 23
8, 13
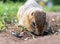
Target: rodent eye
32, 14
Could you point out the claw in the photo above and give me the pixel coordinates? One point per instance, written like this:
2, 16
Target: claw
18, 35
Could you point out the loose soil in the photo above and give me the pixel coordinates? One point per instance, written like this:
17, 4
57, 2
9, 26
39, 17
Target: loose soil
7, 38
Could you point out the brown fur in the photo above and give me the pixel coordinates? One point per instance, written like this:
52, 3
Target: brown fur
26, 17
40, 20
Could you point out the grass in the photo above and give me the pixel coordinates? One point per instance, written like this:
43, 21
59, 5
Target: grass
8, 13
52, 9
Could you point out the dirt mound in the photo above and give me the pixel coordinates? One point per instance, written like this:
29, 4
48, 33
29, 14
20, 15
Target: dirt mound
8, 38
52, 39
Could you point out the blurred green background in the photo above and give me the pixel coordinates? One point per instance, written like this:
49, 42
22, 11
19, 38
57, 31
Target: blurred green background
9, 8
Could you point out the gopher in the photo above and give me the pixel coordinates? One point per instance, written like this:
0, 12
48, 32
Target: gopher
32, 17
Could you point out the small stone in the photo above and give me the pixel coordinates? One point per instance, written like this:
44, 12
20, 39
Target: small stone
53, 19
26, 38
